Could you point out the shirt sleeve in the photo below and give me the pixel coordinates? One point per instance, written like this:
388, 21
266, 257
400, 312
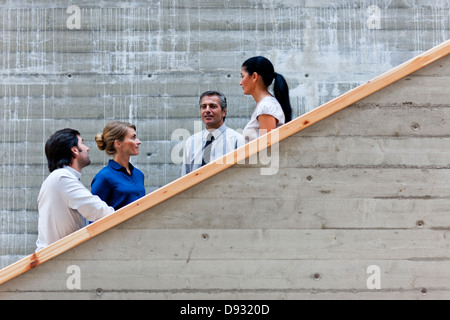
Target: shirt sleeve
269, 108
83, 201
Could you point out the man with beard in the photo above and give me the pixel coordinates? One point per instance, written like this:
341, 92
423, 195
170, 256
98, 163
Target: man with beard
64, 203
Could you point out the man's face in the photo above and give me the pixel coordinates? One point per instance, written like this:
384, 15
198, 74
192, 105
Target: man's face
211, 112
83, 154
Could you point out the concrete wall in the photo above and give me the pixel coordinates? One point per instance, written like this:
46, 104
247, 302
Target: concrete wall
147, 62
358, 210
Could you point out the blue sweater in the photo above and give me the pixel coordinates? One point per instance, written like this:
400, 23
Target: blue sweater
116, 187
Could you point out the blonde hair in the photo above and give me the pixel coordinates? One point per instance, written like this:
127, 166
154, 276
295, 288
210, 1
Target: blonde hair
113, 131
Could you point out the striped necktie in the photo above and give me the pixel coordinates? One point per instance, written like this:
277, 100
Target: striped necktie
207, 150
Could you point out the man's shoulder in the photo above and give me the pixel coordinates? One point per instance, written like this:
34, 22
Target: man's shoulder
55, 179
232, 132
195, 136
61, 172
58, 174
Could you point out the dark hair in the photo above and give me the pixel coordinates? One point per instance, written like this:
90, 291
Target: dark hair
265, 69
58, 148
222, 99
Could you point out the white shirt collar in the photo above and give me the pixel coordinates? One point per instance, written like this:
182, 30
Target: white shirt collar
74, 172
216, 133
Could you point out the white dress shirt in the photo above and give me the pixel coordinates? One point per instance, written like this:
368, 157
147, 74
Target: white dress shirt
64, 203
269, 106
225, 141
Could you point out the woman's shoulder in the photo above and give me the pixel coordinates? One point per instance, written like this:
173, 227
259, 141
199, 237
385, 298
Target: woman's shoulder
269, 105
102, 178
268, 102
137, 172
105, 173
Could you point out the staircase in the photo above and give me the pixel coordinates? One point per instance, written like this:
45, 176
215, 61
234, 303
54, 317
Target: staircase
347, 201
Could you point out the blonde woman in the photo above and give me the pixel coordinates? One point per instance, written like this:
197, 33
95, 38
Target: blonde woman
119, 183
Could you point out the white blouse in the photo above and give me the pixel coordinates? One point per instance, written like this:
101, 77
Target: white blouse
269, 106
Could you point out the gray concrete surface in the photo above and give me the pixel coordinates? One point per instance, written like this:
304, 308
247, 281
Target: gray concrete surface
358, 210
147, 62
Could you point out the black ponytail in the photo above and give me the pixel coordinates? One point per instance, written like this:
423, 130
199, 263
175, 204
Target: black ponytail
281, 91
265, 69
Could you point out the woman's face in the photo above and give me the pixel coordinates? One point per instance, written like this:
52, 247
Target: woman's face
130, 143
247, 82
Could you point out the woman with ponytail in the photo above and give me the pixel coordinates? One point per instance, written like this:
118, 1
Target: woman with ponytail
257, 74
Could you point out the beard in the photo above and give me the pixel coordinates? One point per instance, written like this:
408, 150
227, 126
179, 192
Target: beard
85, 162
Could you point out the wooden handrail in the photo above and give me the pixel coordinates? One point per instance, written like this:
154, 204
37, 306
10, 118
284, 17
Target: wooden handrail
222, 164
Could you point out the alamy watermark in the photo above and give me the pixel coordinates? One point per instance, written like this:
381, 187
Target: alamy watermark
74, 21
374, 280
74, 280
374, 20
266, 149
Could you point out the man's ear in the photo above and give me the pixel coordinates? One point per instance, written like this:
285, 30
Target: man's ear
75, 151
